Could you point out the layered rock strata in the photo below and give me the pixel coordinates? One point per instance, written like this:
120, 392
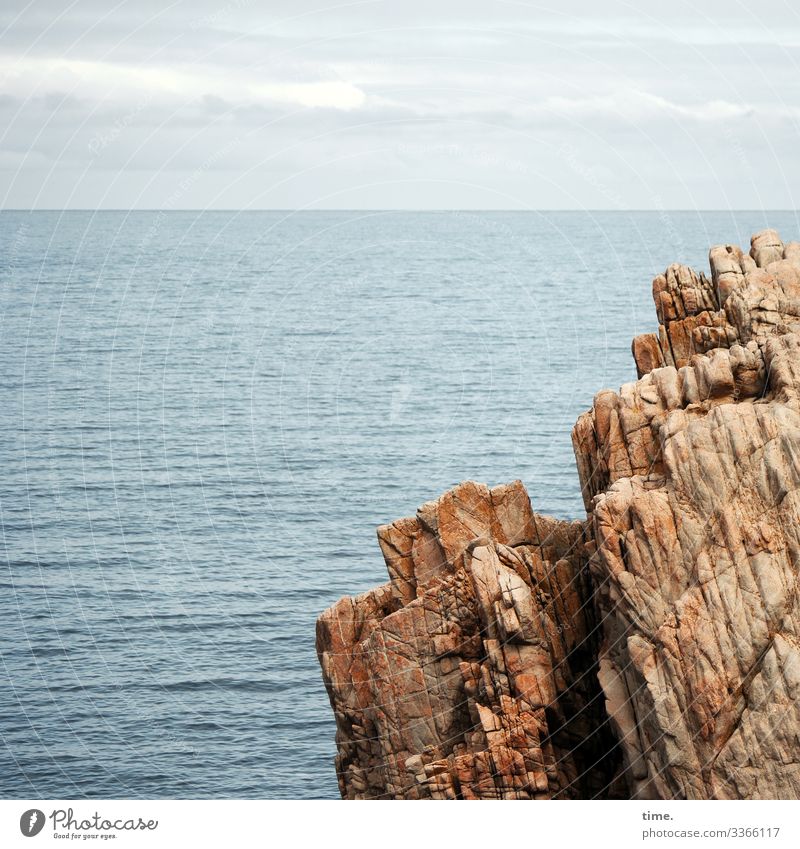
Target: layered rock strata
472, 673
652, 651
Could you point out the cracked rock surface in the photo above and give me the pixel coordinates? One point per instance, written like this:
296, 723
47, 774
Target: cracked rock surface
650, 651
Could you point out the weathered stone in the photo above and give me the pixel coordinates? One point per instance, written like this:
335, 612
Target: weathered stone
509, 651
728, 264
647, 353
766, 247
480, 686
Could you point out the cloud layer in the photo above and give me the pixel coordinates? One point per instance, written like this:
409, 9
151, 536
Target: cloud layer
415, 105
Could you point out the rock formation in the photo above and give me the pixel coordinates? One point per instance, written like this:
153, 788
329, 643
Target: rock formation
650, 651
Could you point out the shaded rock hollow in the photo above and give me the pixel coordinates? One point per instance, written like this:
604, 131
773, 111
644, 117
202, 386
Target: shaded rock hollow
650, 651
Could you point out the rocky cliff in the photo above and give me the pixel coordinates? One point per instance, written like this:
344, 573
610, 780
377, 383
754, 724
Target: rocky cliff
650, 651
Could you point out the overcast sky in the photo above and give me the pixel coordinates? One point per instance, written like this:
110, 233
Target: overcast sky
401, 104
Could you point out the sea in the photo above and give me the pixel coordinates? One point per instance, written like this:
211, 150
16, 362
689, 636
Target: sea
205, 415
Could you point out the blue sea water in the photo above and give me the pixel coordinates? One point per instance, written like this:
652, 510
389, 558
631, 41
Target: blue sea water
203, 418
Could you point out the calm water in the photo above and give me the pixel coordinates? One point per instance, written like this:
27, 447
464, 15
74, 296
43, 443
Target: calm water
203, 417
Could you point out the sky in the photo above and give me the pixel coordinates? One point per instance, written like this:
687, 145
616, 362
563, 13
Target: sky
238, 104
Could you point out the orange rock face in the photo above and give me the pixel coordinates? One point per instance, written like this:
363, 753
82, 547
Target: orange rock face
469, 675
653, 650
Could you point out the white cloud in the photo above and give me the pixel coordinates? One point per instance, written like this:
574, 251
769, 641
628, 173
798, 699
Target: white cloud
331, 95
634, 105
106, 80
376, 93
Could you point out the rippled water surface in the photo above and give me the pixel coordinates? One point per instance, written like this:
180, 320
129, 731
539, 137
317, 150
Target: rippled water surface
203, 417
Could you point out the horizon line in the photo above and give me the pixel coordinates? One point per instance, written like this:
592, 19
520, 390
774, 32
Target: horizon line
392, 209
